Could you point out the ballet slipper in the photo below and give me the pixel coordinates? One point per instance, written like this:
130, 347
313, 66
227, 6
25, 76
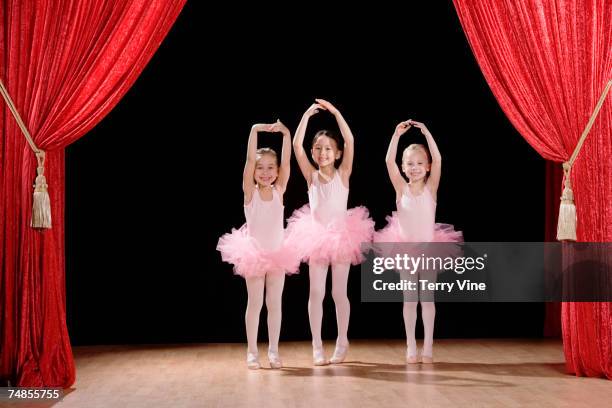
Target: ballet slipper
275, 361
339, 354
412, 359
318, 357
426, 359
253, 361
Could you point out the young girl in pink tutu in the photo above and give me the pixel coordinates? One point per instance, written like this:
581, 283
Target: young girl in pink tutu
325, 231
414, 221
257, 250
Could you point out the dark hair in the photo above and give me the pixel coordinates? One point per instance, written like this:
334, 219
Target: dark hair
333, 136
266, 150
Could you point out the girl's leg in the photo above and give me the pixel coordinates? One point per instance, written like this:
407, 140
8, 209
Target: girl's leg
255, 289
409, 313
410, 318
340, 273
274, 295
428, 311
317, 275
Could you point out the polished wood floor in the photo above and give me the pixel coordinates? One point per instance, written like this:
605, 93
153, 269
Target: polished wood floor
482, 373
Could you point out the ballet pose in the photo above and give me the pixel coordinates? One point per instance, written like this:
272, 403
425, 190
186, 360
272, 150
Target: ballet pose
325, 232
414, 221
257, 250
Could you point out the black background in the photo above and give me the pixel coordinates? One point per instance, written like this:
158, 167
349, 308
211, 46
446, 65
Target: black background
154, 185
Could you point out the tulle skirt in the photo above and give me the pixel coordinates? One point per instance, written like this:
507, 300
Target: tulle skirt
249, 260
390, 241
392, 232
338, 242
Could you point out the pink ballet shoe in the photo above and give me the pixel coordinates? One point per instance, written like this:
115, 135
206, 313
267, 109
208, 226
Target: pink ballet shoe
339, 354
412, 359
275, 361
426, 359
253, 361
318, 357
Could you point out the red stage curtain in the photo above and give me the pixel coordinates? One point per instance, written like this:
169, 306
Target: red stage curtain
66, 64
552, 191
547, 62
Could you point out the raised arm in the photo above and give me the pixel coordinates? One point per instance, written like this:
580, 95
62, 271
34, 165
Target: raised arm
436, 159
285, 163
348, 150
248, 185
298, 143
394, 172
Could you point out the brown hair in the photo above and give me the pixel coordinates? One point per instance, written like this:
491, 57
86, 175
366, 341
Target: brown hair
333, 136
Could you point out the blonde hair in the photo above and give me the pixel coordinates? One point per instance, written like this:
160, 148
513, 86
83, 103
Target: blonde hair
266, 150
417, 147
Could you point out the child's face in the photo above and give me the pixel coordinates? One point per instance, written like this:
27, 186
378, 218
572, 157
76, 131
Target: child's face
266, 170
415, 165
325, 152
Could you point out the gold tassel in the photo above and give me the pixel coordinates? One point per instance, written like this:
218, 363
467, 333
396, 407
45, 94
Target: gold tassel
566, 226
41, 207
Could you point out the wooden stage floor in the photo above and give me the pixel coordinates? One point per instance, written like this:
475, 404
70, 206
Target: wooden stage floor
487, 373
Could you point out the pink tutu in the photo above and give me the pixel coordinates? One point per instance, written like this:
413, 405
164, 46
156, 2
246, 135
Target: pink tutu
338, 242
242, 250
393, 233
393, 239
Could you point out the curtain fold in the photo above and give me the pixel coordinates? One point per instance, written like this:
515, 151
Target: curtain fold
66, 64
547, 63
553, 182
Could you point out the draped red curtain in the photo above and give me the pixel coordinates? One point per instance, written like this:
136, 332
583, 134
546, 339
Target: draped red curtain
66, 64
552, 192
547, 62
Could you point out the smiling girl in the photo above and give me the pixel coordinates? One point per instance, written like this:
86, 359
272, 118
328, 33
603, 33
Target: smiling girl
414, 221
325, 231
258, 250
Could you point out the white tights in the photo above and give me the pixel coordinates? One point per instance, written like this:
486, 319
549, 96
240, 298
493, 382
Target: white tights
274, 292
318, 276
428, 313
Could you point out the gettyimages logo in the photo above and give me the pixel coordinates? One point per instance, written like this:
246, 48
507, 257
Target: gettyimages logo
412, 264
487, 272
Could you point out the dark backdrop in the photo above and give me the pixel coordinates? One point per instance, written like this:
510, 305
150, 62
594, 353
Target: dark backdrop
154, 185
